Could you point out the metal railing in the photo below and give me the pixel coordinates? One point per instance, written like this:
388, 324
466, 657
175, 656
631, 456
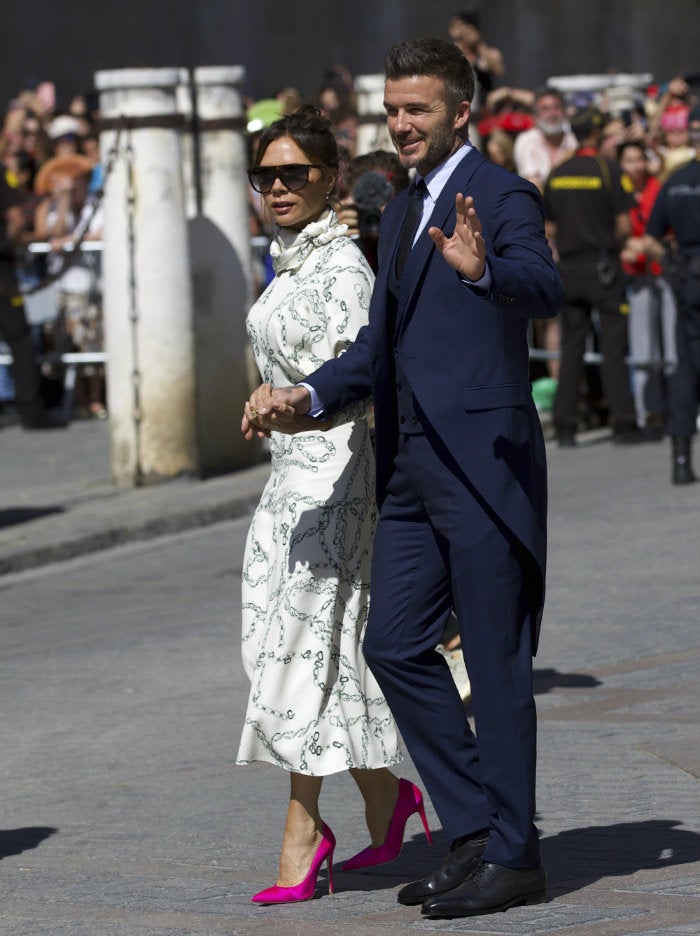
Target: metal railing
73, 360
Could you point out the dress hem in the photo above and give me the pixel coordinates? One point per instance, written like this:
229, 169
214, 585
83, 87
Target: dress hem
310, 773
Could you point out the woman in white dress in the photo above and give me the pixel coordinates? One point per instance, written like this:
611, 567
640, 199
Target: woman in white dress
314, 708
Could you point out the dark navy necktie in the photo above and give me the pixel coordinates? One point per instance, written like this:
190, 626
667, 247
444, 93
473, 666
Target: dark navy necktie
414, 213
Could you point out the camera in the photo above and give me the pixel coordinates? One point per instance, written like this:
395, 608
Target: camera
370, 194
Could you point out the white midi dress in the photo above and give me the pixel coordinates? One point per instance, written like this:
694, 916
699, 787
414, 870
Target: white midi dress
314, 706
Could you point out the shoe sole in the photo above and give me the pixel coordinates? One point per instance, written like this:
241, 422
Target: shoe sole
414, 902
535, 898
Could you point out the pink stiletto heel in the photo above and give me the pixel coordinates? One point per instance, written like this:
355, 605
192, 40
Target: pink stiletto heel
410, 801
306, 889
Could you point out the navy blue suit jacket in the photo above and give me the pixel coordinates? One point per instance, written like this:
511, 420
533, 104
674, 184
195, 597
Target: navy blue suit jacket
464, 352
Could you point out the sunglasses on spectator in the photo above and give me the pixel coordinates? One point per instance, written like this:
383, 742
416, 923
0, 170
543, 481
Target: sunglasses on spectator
293, 176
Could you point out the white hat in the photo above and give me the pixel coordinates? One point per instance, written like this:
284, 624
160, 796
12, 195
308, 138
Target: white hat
62, 126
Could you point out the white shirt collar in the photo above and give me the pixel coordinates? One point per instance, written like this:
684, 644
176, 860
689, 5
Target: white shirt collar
436, 179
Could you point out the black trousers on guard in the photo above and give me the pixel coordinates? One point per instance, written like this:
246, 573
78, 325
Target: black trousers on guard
583, 292
684, 383
15, 332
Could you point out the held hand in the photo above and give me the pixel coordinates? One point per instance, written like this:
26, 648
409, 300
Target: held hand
290, 423
297, 399
465, 250
288, 412
283, 410
252, 424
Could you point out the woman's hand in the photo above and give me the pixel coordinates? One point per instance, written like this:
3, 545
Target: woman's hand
252, 423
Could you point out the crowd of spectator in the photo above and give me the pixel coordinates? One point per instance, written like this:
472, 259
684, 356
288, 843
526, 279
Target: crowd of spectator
50, 178
52, 174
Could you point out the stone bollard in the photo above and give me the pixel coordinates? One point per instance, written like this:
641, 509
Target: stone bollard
372, 133
220, 260
149, 335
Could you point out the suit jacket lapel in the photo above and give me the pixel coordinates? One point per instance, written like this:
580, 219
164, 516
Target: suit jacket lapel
443, 217
392, 222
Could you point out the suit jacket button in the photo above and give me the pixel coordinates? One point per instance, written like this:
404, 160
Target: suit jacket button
399, 387
402, 419
414, 420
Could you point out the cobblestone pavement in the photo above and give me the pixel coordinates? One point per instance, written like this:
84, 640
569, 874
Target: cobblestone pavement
122, 692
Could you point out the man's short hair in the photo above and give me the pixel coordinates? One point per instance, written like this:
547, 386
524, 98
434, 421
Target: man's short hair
435, 58
546, 91
585, 120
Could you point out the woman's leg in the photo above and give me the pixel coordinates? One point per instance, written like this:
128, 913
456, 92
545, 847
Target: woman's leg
380, 791
302, 830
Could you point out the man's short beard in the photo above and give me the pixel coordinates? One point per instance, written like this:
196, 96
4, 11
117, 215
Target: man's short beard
551, 127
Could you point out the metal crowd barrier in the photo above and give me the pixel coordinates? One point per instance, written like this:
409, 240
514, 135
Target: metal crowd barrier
72, 361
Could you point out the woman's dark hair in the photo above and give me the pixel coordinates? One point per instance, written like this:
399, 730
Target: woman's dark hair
310, 131
346, 105
631, 144
435, 58
469, 18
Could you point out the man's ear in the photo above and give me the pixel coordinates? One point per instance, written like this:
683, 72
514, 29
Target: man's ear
462, 116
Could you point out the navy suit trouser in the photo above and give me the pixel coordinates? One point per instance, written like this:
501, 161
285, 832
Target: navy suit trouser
437, 548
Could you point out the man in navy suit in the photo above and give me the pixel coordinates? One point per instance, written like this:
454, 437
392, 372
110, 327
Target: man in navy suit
461, 477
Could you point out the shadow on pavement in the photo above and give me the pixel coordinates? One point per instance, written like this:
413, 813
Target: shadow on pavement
544, 680
574, 859
579, 857
16, 841
13, 515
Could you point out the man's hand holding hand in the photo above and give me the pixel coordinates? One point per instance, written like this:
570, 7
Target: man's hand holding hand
281, 410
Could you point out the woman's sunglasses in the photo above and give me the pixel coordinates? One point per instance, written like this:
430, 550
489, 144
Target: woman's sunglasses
292, 176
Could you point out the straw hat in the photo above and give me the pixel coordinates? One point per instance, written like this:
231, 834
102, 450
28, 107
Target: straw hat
74, 165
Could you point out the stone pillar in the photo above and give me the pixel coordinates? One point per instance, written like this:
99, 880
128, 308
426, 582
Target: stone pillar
149, 335
220, 257
372, 133
183, 97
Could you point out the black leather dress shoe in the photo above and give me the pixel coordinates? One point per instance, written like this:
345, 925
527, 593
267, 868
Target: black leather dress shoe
490, 888
462, 858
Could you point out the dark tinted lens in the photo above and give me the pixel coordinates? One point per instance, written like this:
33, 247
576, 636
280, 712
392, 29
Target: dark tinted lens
294, 177
262, 179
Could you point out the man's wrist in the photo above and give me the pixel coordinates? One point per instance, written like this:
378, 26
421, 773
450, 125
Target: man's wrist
483, 284
315, 406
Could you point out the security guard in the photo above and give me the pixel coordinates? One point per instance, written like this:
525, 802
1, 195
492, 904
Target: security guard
587, 201
676, 211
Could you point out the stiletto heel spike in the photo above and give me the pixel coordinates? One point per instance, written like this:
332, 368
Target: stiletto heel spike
410, 801
305, 889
